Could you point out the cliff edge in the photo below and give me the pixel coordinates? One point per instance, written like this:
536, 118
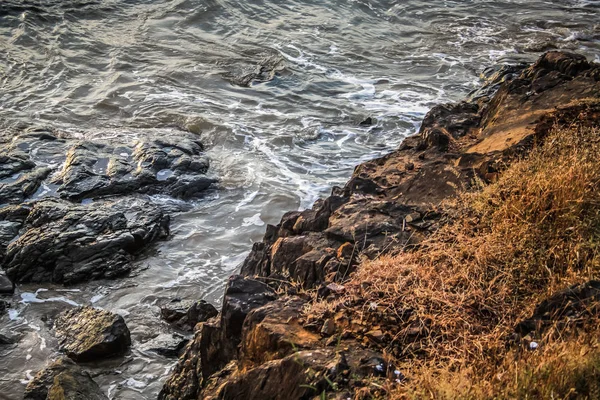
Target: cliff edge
304, 320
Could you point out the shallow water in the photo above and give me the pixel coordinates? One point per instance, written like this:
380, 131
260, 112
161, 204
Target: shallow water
102, 69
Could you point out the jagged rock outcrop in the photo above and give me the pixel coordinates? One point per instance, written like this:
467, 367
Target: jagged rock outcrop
173, 165
66, 243
46, 237
89, 334
389, 205
62, 380
216, 341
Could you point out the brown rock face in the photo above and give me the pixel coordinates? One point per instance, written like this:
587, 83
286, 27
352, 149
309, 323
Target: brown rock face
259, 348
88, 334
63, 380
375, 211
216, 341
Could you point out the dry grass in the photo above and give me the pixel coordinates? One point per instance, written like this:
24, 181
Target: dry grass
534, 232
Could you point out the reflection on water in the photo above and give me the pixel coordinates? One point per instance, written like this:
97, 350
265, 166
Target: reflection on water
100, 69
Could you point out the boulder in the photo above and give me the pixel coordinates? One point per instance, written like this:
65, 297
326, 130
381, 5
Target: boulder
66, 243
165, 344
63, 380
186, 314
89, 334
216, 341
6, 286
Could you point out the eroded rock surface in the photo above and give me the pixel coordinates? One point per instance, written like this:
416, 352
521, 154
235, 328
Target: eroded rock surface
66, 243
62, 380
88, 334
73, 210
185, 314
271, 350
389, 203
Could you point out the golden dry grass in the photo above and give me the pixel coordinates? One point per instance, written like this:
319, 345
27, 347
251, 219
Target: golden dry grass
512, 244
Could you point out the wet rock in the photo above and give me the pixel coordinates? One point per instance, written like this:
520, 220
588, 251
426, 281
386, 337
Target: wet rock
3, 306
13, 161
174, 166
168, 345
66, 243
88, 334
186, 314
6, 286
62, 380
368, 121
25, 185
216, 341
254, 67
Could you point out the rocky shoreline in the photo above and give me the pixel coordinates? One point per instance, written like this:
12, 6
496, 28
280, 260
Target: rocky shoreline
262, 344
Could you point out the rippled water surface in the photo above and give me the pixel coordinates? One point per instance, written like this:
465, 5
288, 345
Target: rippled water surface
99, 69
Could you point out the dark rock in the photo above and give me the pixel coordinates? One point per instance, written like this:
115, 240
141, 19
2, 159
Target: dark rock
24, 186
174, 165
168, 345
6, 286
67, 243
3, 306
62, 380
89, 334
572, 305
186, 314
368, 121
216, 342
13, 161
254, 67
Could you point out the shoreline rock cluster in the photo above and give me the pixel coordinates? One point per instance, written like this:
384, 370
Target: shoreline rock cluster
76, 210
261, 345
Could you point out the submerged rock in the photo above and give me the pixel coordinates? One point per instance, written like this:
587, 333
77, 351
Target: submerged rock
66, 243
63, 380
88, 334
254, 67
186, 314
168, 345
